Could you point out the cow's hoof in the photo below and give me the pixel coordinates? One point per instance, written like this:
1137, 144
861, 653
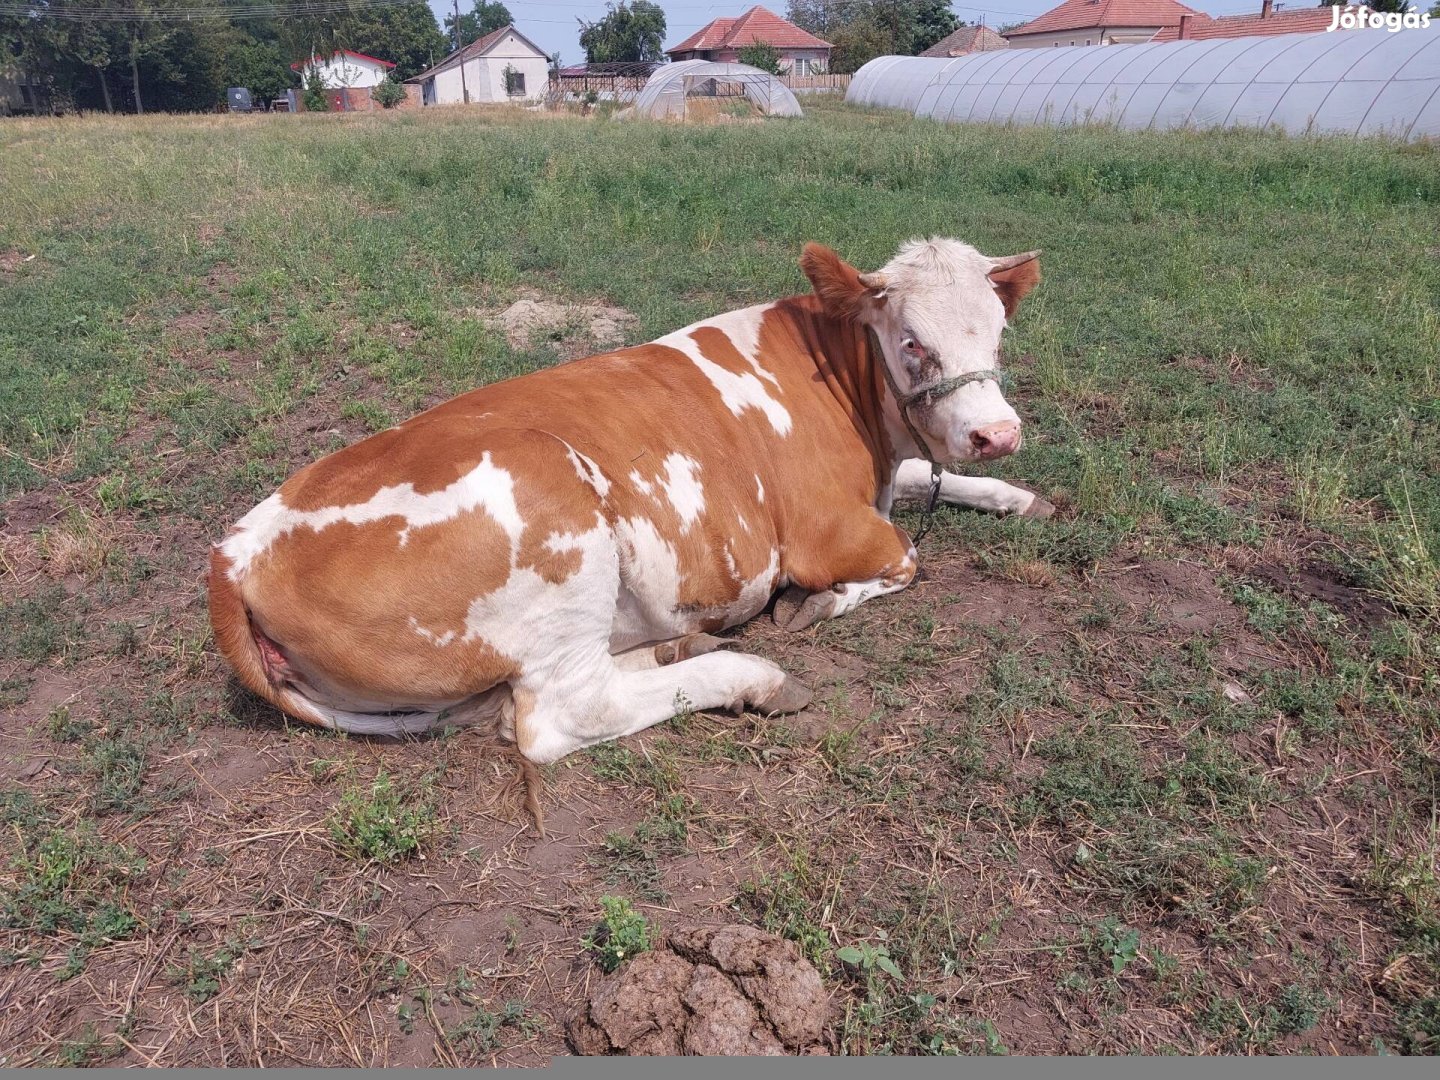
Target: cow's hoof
792, 696
788, 604
672, 652
1038, 508
811, 609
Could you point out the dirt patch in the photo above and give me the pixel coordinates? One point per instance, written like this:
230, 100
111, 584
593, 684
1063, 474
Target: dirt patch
1314, 580
578, 326
1233, 369
12, 260
707, 990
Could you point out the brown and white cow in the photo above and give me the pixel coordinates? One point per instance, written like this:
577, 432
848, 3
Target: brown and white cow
552, 552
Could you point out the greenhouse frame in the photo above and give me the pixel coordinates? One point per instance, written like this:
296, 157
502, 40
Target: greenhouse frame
666, 92
1352, 82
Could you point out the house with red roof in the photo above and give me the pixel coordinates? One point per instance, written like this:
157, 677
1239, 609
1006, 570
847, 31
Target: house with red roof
344, 68
801, 52
1269, 20
1099, 22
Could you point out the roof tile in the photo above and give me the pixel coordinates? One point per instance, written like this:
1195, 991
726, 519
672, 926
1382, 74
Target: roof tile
1088, 14
756, 26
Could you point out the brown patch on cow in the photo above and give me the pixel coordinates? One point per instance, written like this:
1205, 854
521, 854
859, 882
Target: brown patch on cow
365, 616
730, 990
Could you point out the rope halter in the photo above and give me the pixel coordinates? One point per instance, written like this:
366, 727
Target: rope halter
926, 395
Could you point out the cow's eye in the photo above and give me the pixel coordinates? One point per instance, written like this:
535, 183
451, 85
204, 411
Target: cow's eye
913, 348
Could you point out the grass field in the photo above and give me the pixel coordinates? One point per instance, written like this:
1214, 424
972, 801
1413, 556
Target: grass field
1158, 775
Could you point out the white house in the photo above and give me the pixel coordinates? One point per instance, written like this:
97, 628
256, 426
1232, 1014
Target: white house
504, 65
344, 69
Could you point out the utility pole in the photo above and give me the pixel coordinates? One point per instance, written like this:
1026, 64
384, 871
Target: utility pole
464, 89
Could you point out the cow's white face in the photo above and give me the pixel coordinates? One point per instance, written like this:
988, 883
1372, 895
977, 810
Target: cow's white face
938, 310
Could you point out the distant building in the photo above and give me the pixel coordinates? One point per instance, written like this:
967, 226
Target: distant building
1099, 22
967, 40
1306, 20
345, 69
801, 52
504, 65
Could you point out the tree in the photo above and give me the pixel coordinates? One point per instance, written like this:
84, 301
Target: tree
934, 21
485, 17
629, 33
762, 56
861, 30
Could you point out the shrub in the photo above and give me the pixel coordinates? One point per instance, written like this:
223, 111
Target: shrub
762, 56
389, 94
315, 97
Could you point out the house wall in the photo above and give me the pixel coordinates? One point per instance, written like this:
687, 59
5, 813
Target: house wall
485, 75
514, 52
341, 71
1109, 35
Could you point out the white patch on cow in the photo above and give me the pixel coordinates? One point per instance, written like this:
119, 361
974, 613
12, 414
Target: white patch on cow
742, 391
588, 471
683, 489
755, 593
759, 488
438, 640
641, 484
485, 487
742, 523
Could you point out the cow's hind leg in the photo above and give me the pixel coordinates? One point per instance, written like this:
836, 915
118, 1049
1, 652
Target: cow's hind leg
619, 702
912, 485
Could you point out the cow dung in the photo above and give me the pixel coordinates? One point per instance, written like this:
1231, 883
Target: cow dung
707, 990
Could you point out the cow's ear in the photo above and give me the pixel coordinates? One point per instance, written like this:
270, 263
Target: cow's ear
1013, 277
844, 291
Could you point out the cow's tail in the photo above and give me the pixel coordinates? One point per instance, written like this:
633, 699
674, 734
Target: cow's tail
235, 635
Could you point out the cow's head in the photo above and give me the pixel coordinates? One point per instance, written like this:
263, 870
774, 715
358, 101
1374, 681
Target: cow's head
938, 309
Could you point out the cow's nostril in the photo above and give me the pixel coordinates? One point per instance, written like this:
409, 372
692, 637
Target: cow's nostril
996, 440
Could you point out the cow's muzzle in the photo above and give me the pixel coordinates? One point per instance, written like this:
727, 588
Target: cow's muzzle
996, 440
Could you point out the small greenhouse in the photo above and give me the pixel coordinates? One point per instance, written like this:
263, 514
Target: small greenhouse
673, 85
1352, 82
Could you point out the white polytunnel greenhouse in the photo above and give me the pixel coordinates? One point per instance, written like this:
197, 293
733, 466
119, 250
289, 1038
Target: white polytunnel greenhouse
1350, 82
668, 90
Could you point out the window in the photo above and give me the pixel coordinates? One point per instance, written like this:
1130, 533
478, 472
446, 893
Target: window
801, 66
514, 82
1087, 41
1072, 41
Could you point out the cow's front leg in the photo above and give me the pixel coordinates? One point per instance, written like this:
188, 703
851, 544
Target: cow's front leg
888, 556
912, 485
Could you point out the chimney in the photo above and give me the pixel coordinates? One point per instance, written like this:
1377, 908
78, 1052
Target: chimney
1185, 24
1265, 8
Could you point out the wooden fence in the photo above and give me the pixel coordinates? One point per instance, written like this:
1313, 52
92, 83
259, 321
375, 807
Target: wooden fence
838, 83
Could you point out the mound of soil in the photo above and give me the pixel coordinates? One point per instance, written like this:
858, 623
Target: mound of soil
707, 990
585, 323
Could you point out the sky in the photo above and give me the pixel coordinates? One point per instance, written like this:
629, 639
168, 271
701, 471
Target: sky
551, 23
